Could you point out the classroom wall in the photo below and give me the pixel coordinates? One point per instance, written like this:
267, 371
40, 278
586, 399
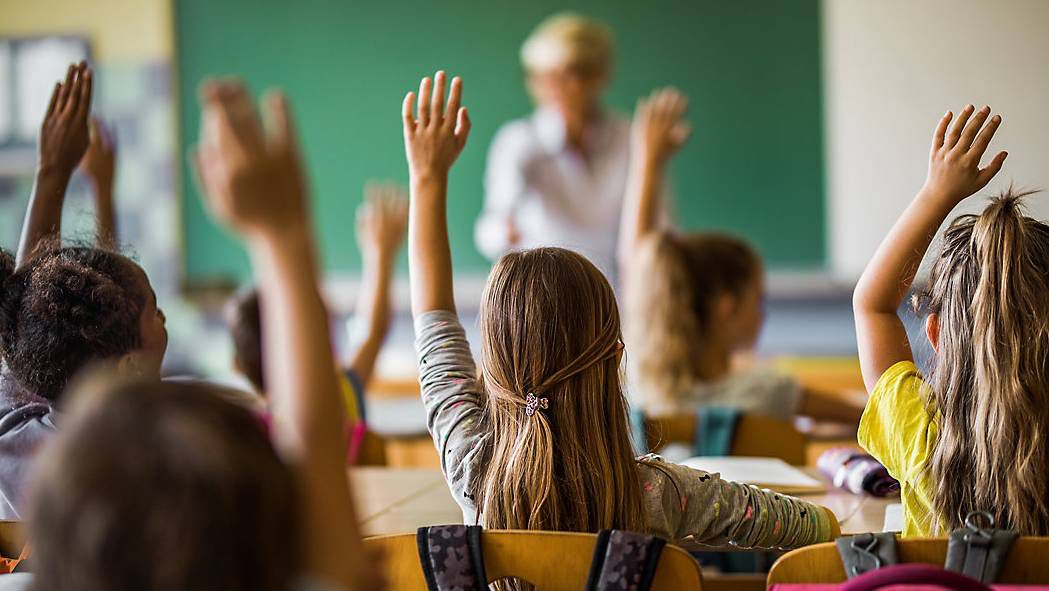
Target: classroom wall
120, 30
891, 69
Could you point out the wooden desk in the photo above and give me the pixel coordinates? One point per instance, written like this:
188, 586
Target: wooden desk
392, 500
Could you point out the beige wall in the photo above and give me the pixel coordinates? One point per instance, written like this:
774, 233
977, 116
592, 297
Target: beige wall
891, 69
119, 30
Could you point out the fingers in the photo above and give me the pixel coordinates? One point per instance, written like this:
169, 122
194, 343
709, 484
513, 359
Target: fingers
64, 89
941, 129
54, 99
407, 114
437, 108
987, 173
680, 133
965, 141
959, 125
278, 112
454, 101
462, 127
425, 91
236, 115
979, 146
83, 107
72, 105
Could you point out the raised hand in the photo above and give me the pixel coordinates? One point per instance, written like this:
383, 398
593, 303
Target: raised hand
100, 159
381, 221
64, 133
435, 136
253, 178
658, 129
954, 163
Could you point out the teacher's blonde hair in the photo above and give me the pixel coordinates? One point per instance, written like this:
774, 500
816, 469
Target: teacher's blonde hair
568, 39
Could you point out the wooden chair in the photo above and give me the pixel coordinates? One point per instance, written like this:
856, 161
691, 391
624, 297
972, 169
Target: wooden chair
12, 538
1026, 564
552, 561
755, 436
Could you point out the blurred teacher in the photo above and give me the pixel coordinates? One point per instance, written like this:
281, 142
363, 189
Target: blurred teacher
557, 177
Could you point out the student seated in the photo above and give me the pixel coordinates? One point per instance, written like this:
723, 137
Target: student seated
381, 222
539, 437
971, 434
695, 300
156, 485
64, 307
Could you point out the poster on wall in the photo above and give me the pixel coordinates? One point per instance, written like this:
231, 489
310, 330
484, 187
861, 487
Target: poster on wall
29, 68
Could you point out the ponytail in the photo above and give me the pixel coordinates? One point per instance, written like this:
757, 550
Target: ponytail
991, 383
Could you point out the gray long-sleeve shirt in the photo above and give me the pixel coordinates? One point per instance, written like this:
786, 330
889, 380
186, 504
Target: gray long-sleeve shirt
681, 504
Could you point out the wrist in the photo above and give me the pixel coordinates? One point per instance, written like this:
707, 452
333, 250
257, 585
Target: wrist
428, 178
53, 172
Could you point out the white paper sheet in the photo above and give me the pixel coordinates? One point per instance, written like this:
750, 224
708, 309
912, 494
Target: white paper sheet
770, 472
893, 518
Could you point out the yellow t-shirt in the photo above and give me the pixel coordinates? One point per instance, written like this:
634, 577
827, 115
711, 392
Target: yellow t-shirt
899, 432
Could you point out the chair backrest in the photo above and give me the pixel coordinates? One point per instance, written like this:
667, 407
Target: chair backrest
756, 435
1027, 562
12, 538
554, 561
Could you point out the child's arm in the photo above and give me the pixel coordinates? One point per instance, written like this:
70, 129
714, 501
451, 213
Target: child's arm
433, 139
254, 183
381, 222
954, 174
658, 132
712, 511
841, 408
99, 165
63, 140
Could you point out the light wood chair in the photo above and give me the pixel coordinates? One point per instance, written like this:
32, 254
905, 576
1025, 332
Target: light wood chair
553, 561
755, 436
1027, 562
12, 538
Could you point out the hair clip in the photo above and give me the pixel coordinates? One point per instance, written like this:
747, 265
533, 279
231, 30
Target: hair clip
533, 403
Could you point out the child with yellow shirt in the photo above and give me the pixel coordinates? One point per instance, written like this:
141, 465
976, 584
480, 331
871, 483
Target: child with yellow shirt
970, 435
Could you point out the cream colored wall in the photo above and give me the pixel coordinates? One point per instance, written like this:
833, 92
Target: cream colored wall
891, 69
119, 30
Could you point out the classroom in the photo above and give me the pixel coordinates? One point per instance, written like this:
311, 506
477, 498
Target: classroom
584, 294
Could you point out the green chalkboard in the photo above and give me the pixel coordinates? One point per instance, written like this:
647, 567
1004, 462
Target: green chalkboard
751, 69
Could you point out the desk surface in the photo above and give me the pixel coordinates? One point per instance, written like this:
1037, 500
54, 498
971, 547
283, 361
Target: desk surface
392, 500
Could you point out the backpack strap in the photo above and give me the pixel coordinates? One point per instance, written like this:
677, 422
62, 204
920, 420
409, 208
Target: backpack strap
977, 552
715, 431
624, 559
866, 552
451, 558
638, 432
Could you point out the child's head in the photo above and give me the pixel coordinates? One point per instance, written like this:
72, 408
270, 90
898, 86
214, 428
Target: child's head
161, 486
71, 306
988, 305
550, 335
691, 295
568, 59
245, 325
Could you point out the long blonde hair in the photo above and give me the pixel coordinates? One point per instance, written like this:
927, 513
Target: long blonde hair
670, 293
989, 390
550, 328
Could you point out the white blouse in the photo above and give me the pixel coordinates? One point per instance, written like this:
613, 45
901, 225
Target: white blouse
552, 194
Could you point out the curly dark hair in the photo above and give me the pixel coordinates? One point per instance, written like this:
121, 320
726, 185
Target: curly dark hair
66, 307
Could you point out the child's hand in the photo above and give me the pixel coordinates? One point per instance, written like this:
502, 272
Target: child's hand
64, 133
253, 179
382, 220
434, 138
658, 130
99, 162
954, 165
